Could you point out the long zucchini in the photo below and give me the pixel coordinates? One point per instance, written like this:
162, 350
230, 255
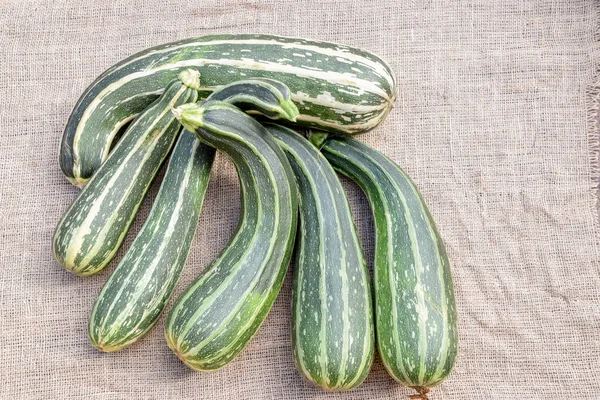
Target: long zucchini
337, 88
416, 321
332, 330
93, 228
137, 291
214, 319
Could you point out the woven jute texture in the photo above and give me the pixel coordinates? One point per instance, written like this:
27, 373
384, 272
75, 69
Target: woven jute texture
495, 121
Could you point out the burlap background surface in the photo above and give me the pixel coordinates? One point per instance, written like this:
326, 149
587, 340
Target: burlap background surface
494, 121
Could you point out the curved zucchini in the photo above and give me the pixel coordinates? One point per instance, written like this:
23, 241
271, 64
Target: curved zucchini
337, 88
416, 321
137, 291
214, 319
332, 330
93, 228
259, 96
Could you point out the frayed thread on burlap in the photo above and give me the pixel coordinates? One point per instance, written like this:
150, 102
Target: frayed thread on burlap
593, 123
597, 15
593, 131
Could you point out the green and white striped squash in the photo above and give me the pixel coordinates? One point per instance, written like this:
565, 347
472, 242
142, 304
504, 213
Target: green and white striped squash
416, 321
333, 337
262, 96
93, 228
137, 291
214, 319
336, 87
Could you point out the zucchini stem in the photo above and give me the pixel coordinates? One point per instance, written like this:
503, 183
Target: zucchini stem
422, 393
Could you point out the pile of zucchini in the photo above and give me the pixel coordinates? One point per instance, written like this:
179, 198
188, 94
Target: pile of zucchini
243, 95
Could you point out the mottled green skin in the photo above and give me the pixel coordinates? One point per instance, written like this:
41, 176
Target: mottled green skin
138, 290
93, 228
259, 96
333, 337
416, 319
362, 85
136, 293
214, 319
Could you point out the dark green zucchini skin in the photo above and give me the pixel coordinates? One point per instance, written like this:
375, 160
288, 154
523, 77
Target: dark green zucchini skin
267, 97
333, 337
214, 319
337, 88
137, 291
416, 320
93, 228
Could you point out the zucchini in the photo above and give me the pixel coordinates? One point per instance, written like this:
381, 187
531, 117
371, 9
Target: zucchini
337, 88
267, 97
136, 293
416, 321
332, 330
93, 228
214, 319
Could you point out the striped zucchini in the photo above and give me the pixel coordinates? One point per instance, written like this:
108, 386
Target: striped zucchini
337, 88
93, 228
136, 293
332, 329
259, 96
214, 319
416, 319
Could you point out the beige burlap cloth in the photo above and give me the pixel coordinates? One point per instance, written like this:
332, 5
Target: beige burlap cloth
495, 121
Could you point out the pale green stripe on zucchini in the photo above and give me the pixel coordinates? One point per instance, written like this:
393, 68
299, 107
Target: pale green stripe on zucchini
337, 88
214, 319
93, 228
333, 328
137, 291
416, 321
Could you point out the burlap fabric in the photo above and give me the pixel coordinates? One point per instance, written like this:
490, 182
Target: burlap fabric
495, 121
